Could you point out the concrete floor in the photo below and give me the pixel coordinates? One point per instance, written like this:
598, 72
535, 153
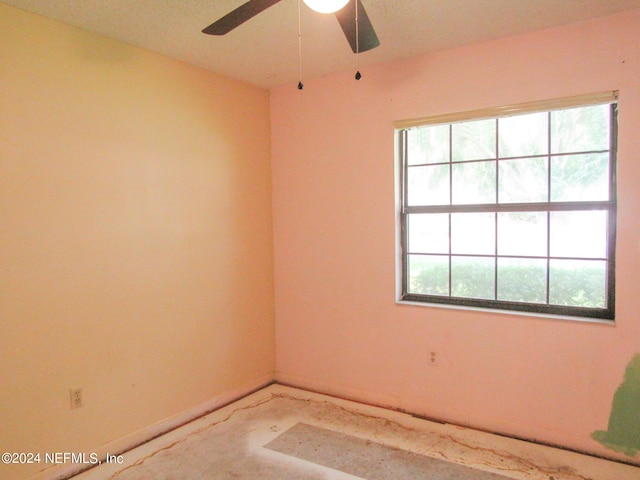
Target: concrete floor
285, 433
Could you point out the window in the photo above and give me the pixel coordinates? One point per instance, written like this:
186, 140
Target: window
512, 208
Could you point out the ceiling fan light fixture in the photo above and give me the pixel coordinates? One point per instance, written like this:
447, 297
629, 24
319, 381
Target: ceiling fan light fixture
325, 6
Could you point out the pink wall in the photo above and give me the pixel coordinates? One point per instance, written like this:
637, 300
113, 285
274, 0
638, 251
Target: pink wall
338, 326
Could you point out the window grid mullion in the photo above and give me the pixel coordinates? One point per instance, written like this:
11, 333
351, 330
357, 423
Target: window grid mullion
450, 291
548, 272
611, 224
514, 207
404, 216
521, 157
404, 140
495, 215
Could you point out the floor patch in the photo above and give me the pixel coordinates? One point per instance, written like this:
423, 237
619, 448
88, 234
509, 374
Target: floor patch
366, 459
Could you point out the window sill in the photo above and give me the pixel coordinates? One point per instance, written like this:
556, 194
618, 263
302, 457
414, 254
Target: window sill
494, 311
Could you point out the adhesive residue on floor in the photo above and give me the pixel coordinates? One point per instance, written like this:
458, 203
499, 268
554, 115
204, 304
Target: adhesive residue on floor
284, 433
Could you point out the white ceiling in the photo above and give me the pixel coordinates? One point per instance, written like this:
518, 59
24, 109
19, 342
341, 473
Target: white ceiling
264, 51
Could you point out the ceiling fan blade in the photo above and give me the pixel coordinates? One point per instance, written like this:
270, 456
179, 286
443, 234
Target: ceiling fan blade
238, 16
367, 38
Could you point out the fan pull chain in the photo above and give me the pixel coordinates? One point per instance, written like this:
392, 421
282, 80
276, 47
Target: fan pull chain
300, 85
358, 75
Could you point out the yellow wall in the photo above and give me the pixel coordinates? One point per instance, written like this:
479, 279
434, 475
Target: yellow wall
135, 238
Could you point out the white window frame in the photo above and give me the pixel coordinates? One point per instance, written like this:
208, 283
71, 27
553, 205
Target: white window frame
404, 210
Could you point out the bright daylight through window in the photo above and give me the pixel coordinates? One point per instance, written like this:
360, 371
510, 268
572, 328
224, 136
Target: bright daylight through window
512, 208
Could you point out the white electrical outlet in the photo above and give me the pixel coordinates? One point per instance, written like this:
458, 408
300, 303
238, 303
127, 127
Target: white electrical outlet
76, 397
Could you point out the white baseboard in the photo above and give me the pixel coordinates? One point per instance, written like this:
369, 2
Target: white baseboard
143, 435
339, 391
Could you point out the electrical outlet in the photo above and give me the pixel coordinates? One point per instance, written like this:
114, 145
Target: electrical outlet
434, 360
76, 397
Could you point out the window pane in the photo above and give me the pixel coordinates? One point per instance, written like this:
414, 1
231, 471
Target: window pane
580, 177
523, 135
579, 234
428, 274
428, 145
578, 283
522, 180
583, 129
473, 277
474, 140
512, 212
522, 234
428, 185
428, 233
522, 280
473, 233
474, 183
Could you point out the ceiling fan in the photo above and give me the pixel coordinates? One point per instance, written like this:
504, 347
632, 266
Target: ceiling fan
365, 38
